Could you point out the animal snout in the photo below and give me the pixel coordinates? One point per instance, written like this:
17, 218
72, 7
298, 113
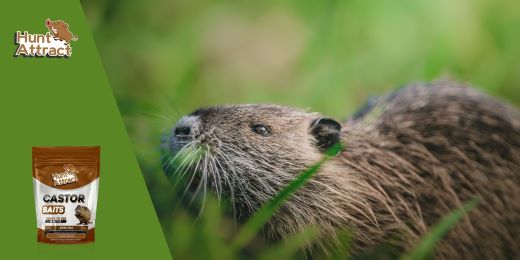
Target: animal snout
183, 131
182, 135
179, 138
186, 127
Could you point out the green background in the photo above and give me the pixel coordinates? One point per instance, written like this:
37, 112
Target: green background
57, 101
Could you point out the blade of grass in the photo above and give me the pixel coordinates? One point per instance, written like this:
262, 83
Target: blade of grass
255, 223
342, 250
425, 248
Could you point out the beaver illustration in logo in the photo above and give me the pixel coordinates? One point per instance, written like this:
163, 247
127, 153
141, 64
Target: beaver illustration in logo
60, 29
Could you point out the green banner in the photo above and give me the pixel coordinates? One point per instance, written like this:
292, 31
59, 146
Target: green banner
66, 101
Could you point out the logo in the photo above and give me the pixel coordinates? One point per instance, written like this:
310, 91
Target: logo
66, 177
54, 43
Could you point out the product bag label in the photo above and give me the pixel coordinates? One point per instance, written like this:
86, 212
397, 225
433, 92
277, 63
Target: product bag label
66, 181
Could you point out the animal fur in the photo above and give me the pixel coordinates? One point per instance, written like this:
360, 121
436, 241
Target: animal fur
83, 214
408, 159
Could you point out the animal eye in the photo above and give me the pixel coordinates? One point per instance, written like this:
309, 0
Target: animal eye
261, 129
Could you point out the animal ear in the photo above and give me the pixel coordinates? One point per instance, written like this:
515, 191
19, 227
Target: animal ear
48, 22
326, 131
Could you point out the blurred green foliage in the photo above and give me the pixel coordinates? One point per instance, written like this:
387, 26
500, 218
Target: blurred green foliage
166, 58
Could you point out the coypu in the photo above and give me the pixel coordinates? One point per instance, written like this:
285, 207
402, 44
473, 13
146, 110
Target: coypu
83, 214
407, 159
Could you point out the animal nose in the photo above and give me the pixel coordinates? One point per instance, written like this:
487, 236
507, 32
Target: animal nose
182, 130
185, 130
183, 133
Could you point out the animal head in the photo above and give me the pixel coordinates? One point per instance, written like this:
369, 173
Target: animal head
79, 209
247, 151
59, 29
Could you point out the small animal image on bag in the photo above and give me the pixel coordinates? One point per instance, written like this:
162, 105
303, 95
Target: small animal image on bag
83, 214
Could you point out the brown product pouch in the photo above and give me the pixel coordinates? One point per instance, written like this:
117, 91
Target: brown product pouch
66, 181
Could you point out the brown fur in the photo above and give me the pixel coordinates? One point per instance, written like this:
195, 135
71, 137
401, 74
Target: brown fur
409, 158
83, 214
